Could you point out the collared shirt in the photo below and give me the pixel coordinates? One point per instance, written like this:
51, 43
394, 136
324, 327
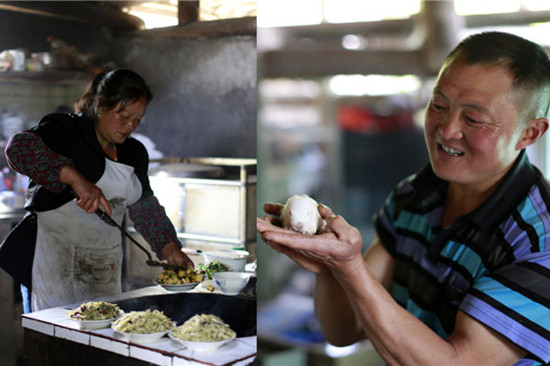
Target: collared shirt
492, 264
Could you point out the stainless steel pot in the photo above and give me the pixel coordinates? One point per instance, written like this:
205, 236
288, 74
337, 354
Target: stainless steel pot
187, 170
55, 61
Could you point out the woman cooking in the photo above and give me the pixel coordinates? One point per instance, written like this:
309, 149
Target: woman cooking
90, 156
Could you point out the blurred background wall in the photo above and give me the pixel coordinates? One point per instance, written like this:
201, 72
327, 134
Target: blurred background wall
205, 93
342, 87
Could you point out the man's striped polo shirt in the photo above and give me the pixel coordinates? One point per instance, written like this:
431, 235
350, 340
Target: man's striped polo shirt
493, 264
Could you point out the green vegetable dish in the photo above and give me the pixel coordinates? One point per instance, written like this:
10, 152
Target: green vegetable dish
208, 269
95, 310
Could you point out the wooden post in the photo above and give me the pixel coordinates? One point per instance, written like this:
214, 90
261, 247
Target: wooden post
188, 11
442, 26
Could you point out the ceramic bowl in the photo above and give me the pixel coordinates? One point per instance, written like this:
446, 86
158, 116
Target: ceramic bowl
231, 283
233, 259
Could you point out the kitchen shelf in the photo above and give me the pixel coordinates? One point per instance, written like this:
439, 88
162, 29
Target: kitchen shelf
61, 77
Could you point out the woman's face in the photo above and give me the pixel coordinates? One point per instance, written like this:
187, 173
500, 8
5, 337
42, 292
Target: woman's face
115, 125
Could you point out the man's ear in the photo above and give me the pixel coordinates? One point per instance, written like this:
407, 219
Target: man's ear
532, 132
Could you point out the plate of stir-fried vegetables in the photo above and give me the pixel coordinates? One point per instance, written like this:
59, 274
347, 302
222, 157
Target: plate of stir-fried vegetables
95, 314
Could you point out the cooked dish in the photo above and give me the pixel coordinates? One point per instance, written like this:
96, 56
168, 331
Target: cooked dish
143, 322
178, 277
188, 275
204, 328
208, 269
95, 310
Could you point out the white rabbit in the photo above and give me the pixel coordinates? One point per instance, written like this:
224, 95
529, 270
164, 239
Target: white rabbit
301, 215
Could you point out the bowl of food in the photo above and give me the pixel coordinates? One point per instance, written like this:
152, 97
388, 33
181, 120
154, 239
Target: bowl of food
203, 333
207, 269
233, 259
94, 314
142, 326
179, 279
231, 283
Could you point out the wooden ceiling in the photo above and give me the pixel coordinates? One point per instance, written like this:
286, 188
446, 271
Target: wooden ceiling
101, 13
416, 45
110, 14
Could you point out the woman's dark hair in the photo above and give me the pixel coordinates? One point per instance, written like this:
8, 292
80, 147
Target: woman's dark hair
108, 90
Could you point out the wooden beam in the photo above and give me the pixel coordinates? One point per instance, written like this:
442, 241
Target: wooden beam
209, 29
404, 27
77, 11
319, 63
315, 51
517, 18
337, 30
188, 11
442, 27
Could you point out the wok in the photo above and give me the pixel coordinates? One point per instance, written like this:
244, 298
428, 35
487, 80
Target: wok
239, 312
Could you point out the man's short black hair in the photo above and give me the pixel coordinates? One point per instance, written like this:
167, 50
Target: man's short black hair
527, 62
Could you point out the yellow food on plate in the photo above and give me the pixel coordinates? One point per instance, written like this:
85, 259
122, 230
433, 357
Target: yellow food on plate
179, 277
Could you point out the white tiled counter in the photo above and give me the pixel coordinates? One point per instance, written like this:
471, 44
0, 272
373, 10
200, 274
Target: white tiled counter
54, 323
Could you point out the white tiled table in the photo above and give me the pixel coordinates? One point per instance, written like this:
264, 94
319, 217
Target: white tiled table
53, 322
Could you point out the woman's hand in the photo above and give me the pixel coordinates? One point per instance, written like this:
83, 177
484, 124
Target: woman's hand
339, 248
88, 196
173, 254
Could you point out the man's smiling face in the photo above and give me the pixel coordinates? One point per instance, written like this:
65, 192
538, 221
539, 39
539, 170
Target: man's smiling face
471, 125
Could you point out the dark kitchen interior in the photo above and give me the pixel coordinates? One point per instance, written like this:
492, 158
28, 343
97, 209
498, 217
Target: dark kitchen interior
202, 73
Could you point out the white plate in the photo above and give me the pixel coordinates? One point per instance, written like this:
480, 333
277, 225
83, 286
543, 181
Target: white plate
181, 287
201, 346
93, 324
140, 338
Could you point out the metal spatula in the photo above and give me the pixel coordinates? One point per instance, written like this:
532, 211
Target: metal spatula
150, 262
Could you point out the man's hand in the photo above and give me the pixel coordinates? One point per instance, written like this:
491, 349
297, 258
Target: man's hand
273, 209
338, 249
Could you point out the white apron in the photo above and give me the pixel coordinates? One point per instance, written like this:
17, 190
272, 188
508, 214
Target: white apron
78, 257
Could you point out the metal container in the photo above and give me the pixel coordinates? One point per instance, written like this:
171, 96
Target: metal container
187, 170
53, 61
171, 193
11, 201
206, 201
